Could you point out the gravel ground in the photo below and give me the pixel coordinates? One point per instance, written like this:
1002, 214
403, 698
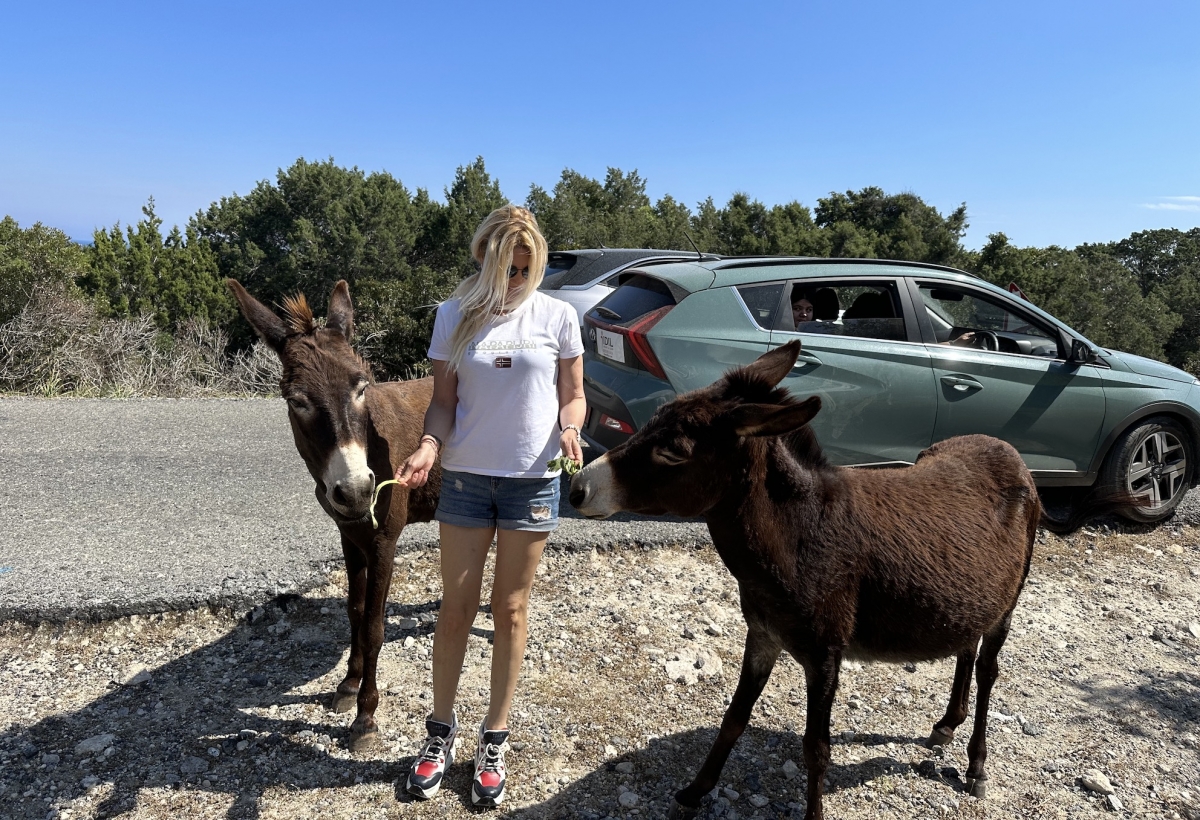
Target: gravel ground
633, 654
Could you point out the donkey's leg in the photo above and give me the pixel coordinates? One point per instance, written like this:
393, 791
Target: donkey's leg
986, 672
356, 573
960, 696
758, 660
821, 674
364, 731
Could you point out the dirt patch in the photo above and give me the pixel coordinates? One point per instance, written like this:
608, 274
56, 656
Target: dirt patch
632, 656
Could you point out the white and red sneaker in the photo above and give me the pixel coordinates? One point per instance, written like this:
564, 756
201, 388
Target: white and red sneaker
436, 755
487, 787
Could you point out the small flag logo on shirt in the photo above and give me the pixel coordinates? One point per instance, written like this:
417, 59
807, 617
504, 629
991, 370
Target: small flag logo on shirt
503, 361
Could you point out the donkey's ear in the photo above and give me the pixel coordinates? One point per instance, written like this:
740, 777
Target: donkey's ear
772, 419
266, 324
773, 366
341, 310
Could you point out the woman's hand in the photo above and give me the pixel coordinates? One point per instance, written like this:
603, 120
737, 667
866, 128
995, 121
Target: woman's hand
414, 472
569, 443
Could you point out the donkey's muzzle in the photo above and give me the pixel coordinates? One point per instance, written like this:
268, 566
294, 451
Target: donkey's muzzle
593, 492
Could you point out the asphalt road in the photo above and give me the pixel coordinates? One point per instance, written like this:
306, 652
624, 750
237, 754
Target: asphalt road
114, 507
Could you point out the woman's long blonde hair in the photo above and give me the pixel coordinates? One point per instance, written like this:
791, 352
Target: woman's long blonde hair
483, 295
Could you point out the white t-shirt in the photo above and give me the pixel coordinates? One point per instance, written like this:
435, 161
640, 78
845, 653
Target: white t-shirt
506, 423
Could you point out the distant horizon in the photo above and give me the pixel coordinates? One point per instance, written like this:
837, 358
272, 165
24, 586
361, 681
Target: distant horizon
1055, 124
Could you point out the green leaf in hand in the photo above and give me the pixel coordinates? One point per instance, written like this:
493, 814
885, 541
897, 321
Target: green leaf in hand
565, 463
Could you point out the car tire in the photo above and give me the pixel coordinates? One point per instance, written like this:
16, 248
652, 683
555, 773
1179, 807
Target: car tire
1155, 458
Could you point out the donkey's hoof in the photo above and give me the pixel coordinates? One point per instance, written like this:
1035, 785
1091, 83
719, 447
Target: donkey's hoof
682, 812
361, 742
344, 701
977, 787
940, 737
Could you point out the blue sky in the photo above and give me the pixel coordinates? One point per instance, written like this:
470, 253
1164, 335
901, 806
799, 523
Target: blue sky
1057, 123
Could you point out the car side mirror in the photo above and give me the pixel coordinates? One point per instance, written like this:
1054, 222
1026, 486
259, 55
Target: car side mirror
1081, 353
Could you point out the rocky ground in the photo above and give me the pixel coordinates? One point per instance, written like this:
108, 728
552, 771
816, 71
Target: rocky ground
632, 656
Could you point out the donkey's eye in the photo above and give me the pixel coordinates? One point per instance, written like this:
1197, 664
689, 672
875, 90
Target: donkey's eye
668, 457
299, 404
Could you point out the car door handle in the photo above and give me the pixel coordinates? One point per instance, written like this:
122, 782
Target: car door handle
805, 359
961, 383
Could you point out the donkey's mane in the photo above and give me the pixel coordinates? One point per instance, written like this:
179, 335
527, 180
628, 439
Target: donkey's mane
299, 314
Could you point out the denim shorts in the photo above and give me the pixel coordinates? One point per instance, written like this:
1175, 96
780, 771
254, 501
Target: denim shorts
470, 500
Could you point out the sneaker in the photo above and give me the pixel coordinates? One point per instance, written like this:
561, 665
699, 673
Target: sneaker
487, 788
436, 755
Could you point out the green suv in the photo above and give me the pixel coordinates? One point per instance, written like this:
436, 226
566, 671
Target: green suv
902, 355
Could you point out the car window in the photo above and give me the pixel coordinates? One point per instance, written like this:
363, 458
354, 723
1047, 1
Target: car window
863, 310
967, 318
632, 300
763, 302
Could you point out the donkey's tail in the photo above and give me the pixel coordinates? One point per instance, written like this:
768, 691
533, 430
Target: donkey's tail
1093, 505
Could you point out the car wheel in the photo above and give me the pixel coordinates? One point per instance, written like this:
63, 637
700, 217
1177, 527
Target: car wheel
1152, 460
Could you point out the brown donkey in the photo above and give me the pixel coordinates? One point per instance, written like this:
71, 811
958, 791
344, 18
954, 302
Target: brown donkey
350, 431
907, 564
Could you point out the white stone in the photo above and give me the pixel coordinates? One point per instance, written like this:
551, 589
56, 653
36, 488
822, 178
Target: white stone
1194, 628
714, 630
1113, 803
1094, 780
759, 800
790, 769
628, 800
625, 767
94, 745
731, 795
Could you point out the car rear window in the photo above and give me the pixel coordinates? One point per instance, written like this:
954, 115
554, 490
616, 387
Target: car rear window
558, 270
634, 299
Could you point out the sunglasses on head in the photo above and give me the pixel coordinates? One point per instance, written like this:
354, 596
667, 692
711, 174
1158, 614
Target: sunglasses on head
513, 270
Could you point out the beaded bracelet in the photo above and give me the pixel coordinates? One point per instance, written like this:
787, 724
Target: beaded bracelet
575, 427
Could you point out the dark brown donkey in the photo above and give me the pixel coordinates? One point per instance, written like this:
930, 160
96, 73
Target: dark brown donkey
907, 564
350, 432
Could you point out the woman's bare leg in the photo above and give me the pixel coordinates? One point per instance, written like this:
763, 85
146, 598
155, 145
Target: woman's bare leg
464, 553
517, 555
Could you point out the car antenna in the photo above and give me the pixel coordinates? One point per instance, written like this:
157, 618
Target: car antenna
688, 236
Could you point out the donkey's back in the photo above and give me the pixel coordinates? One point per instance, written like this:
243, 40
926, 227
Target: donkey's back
940, 550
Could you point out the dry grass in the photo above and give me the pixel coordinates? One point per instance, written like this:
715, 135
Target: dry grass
59, 345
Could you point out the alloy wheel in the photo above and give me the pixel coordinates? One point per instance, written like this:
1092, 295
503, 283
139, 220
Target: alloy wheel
1158, 469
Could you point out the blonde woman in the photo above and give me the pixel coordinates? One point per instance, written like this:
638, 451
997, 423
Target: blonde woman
507, 399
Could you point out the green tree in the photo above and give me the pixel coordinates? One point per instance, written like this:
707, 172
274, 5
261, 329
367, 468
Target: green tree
138, 272
872, 224
33, 257
472, 196
1091, 292
582, 212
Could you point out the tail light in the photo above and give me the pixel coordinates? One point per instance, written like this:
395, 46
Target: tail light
616, 424
636, 335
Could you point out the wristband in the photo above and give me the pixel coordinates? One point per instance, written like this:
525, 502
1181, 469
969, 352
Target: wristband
437, 442
575, 427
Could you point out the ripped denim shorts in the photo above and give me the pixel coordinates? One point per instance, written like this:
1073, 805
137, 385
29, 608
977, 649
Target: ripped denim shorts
470, 500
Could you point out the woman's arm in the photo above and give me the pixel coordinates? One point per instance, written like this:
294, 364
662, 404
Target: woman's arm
571, 406
439, 422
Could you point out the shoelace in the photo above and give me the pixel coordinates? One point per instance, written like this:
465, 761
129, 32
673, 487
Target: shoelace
492, 757
434, 748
